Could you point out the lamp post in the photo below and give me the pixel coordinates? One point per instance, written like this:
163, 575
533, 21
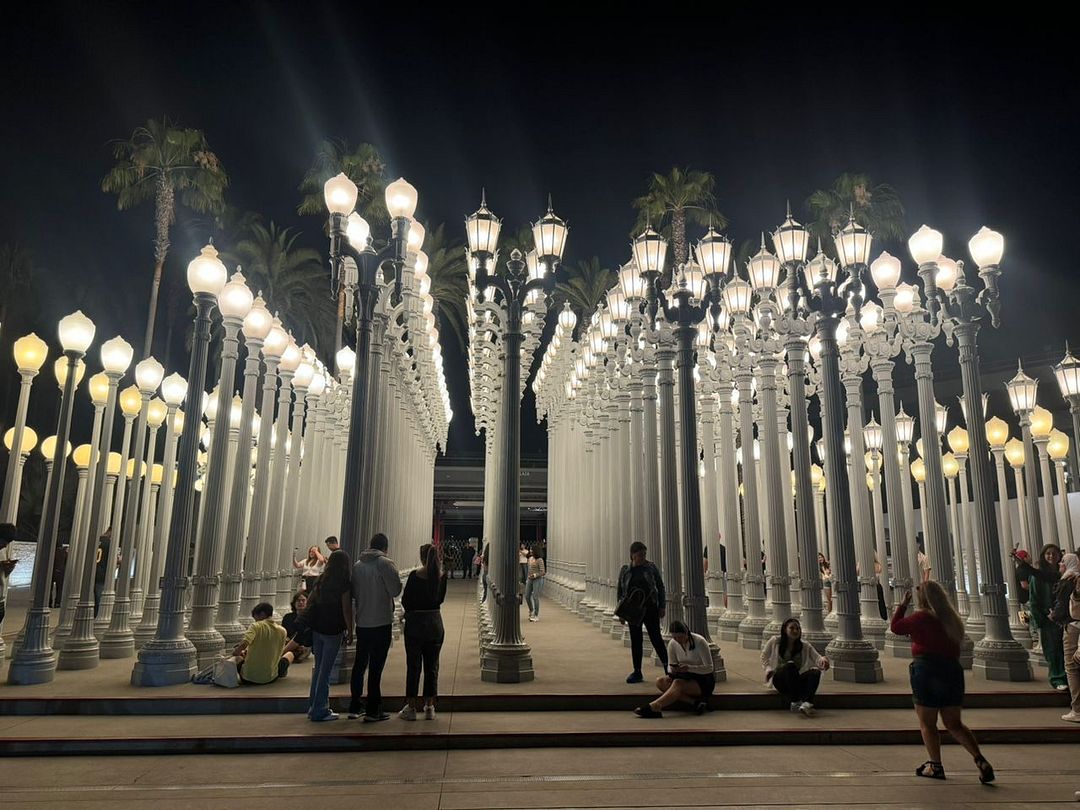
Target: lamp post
156, 414
905, 431
959, 443
1015, 455
1042, 425
1067, 373
119, 640
1057, 448
854, 658
507, 659
998, 655
1022, 391
35, 660
279, 443
997, 436
30, 352
169, 658
340, 194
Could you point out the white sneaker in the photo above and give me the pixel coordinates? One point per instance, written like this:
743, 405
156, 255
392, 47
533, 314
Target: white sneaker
429, 712
807, 708
1061, 687
1071, 717
407, 713
532, 619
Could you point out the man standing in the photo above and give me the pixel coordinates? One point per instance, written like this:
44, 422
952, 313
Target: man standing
467, 555
375, 583
332, 545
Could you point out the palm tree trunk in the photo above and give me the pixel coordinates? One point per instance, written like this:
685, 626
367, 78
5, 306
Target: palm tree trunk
163, 216
340, 319
678, 235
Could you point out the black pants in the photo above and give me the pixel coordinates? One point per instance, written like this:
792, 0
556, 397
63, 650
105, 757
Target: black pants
423, 641
652, 625
466, 568
796, 687
372, 647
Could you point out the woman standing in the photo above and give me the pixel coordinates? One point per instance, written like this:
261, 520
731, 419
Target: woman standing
794, 666
534, 585
425, 590
311, 567
937, 679
692, 677
826, 580
1066, 614
329, 614
523, 561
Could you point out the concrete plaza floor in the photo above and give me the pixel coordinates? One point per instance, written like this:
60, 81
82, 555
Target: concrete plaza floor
1032, 776
570, 657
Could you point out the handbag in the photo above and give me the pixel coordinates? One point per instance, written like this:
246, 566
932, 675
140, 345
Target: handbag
225, 673
631, 609
1074, 605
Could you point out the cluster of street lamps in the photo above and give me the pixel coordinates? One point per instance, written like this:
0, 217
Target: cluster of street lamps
717, 453
271, 479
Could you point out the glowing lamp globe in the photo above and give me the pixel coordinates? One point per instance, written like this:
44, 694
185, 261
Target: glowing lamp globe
1014, 452
290, 358
60, 371
816, 474
112, 464
925, 245
420, 267
277, 340
148, 374
236, 412
99, 388
873, 435
1042, 422
206, 274
415, 239
986, 248
791, 241
871, 317
941, 417
116, 355
48, 448
853, 244
905, 426
950, 466
959, 442
870, 479
156, 412
906, 299
947, 274
567, 319
1022, 390
235, 299
549, 236
763, 269
178, 424
885, 270
130, 401
650, 251
919, 446
1067, 373
30, 352
135, 467
318, 384
345, 360
76, 332
482, 230
29, 439
357, 231
401, 198
304, 374
81, 456
258, 322
737, 296
212, 405
714, 253
1058, 446
819, 270
157, 474
997, 433
339, 194
174, 389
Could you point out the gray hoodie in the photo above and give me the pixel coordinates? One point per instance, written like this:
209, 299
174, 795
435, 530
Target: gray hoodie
375, 583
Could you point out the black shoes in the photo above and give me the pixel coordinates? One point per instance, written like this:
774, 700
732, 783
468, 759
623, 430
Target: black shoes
647, 712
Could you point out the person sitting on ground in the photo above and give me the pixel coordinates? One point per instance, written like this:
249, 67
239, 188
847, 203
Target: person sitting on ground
297, 631
794, 667
692, 677
937, 679
258, 656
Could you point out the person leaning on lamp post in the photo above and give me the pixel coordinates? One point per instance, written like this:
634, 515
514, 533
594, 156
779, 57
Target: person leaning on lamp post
641, 602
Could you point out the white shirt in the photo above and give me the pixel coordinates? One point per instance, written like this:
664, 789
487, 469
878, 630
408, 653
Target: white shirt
697, 660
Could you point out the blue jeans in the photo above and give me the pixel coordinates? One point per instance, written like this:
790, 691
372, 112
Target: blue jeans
325, 650
532, 595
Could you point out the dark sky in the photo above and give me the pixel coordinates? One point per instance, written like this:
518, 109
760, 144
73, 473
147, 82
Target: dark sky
971, 117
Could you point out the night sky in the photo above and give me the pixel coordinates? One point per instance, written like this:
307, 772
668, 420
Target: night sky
972, 119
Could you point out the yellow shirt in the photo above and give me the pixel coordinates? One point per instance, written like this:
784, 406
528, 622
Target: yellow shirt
265, 640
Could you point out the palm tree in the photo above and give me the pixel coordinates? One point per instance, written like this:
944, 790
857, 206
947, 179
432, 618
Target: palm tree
292, 280
876, 207
16, 274
683, 196
586, 284
449, 276
167, 164
365, 167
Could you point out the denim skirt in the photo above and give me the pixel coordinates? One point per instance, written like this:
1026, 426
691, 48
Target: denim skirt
937, 681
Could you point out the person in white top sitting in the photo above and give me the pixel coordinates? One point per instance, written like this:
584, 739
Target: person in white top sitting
691, 675
794, 667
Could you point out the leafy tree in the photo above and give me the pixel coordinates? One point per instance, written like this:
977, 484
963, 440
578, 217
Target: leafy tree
674, 200
876, 207
169, 165
587, 282
365, 167
293, 282
449, 276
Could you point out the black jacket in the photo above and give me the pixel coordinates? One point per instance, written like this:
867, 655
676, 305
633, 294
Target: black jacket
656, 595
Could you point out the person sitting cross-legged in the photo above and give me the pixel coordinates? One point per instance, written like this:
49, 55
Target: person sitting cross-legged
258, 656
692, 677
794, 667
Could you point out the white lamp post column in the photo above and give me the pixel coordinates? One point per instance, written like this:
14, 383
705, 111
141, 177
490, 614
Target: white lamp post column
997, 436
155, 418
290, 361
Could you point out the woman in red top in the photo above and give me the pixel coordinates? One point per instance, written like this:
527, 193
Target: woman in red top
937, 679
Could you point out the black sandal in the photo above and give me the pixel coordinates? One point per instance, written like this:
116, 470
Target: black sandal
986, 770
931, 770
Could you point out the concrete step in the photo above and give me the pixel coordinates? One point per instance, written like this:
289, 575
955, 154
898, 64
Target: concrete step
277, 733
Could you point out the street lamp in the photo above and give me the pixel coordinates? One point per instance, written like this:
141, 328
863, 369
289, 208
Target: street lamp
1022, 392
35, 660
169, 658
1058, 450
30, 352
1042, 425
340, 194
960, 444
998, 656
1067, 373
997, 436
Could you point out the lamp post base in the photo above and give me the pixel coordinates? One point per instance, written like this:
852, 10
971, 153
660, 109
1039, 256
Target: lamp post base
34, 660
164, 663
897, 646
819, 638
119, 644
728, 625
719, 671
854, 661
967, 650
751, 629
873, 628
506, 663
209, 646
1002, 661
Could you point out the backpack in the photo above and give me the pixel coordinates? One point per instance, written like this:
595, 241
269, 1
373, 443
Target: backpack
632, 607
